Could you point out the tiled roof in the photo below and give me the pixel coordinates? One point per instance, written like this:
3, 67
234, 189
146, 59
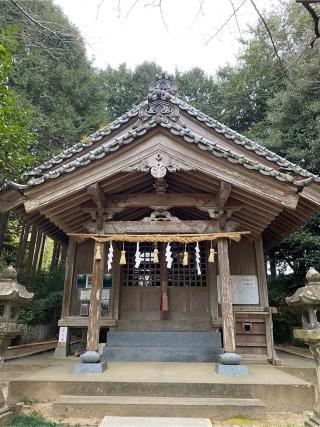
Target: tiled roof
80, 146
163, 109
176, 129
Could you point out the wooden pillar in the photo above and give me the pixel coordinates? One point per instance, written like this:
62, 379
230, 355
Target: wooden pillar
68, 278
226, 298
95, 299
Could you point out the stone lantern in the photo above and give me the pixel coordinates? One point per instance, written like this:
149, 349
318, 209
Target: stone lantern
12, 295
306, 300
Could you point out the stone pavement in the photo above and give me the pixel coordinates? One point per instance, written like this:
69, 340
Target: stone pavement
154, 422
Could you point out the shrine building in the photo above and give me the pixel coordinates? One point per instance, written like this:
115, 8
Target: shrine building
166, 215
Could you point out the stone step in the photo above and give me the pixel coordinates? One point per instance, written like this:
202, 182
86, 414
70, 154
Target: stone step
151, 346
154, 422
96, 406
162, 354
210, 339
164, 325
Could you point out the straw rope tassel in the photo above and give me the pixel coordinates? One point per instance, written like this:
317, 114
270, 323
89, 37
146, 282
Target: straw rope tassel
185, 260
212, 254
156, 255
123, 260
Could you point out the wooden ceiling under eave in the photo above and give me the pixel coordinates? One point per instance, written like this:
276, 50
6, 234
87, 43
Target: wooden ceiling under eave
66, 216
36, 219
288, 221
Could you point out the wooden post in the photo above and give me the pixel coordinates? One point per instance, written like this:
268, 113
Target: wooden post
95, 299
226, 297
68, 279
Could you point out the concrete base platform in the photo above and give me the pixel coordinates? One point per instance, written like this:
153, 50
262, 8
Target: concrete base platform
234, 370
95, 406
277, 390
154, 422
90, 368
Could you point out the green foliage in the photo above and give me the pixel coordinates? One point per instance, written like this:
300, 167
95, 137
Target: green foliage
15, 137
286, 320
52, 75
46, 305
32, 420
124, 88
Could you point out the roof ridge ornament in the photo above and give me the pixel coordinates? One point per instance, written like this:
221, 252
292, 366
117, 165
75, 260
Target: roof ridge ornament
166, 82
159, 107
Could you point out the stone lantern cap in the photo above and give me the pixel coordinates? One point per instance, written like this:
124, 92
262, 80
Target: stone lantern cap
307, 296
10, 289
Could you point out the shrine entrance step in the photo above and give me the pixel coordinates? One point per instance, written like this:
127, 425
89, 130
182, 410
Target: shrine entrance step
164, 325
208, 407
152, 346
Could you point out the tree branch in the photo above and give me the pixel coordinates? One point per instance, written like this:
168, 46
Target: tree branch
225, 23
236, 18
315, 18
285, 73
34, 21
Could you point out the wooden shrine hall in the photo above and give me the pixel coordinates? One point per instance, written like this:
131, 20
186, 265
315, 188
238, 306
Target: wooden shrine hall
166, 214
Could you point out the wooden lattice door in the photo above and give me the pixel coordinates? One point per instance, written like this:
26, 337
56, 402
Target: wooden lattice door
141, 286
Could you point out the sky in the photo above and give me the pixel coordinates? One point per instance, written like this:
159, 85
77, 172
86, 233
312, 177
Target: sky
180, 36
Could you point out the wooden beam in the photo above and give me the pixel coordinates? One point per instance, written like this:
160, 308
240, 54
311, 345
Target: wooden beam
223, 193
168, 200
228, 324
97, 195
95, 299
148, 226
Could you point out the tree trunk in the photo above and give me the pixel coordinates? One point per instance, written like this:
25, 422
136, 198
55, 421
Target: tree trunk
273, 269
3, 228
43, 243
35, 256
22, 247
31, 249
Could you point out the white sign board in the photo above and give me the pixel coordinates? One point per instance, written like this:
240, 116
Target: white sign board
85, 295
245, 289
105, 294
63, 332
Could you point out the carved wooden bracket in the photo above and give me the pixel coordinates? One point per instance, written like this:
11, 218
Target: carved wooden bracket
159, 164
